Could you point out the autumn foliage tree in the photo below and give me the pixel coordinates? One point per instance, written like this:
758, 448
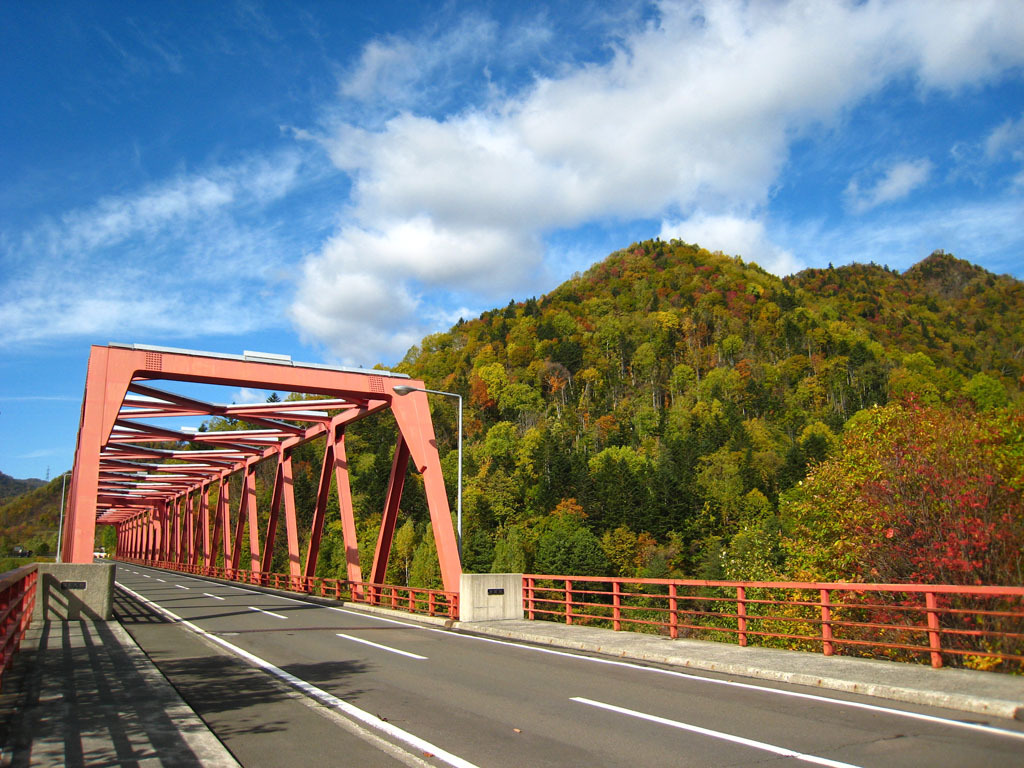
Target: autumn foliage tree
917, 493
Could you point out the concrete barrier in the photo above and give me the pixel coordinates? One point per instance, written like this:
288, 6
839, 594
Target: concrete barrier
490, 596
73, 591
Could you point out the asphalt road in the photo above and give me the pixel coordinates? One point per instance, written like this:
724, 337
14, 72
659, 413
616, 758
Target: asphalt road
377, 691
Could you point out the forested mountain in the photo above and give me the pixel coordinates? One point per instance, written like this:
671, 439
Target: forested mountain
669, 397
32, 518
11, 486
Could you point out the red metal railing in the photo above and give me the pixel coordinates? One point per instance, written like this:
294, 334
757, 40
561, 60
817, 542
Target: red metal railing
17, 599
427, 602
979, 627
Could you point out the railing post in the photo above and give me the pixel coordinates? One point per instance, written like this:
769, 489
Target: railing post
741, 615
673, 612
616, 605
568, 601
827, 647
529, 599
934, 638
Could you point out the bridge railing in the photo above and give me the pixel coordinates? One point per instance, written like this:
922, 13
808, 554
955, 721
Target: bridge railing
17, 599
979, 627
427, 602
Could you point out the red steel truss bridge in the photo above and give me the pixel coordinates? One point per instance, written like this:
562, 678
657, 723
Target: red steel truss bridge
126, 475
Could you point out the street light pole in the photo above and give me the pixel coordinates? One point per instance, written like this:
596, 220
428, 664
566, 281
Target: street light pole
60, 525
404, 389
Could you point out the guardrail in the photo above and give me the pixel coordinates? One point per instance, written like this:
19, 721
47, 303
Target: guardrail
17, 599
979, 627
427, 602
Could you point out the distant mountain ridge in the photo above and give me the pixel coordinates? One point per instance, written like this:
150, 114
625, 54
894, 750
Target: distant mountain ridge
32, 518
11, 487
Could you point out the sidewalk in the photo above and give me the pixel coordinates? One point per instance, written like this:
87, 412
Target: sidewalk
985, 693
81, 693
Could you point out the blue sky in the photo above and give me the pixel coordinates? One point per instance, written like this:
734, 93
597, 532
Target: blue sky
335, 180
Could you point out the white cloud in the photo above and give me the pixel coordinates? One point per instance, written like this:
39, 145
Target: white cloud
1006, 139
247, 396
895, 183
954, 44
689, 121
185, 257
169, 205
397, 73
362, 278
109, 312
358, 313
735, 235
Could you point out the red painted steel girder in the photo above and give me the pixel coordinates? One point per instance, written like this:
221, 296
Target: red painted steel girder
153, 481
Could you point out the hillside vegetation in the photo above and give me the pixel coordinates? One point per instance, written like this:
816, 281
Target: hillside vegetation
32, 519
663, 408
11, 487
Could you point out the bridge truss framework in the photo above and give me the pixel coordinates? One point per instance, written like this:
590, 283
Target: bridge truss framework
154, 482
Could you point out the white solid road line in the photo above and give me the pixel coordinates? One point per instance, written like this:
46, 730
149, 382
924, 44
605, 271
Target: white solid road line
318, 694
269, 613
215, 597
382, 647
781, 751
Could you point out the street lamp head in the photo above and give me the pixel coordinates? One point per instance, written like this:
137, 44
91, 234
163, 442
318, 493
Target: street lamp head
404, 389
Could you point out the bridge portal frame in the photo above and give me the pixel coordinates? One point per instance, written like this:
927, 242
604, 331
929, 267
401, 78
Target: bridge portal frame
159, 498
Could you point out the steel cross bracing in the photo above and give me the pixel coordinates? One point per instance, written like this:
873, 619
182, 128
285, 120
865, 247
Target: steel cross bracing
158, 497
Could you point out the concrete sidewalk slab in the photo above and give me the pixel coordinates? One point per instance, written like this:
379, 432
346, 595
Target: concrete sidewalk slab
986, 693
83, 693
